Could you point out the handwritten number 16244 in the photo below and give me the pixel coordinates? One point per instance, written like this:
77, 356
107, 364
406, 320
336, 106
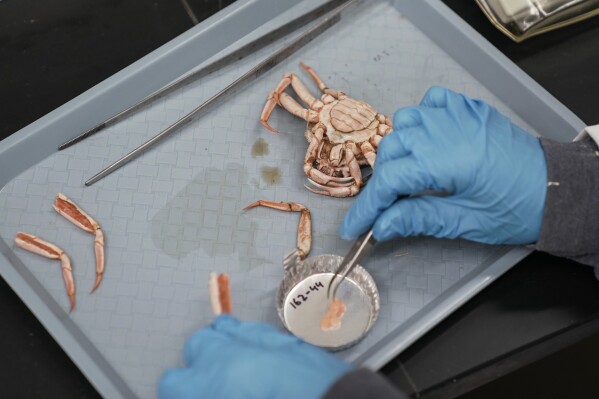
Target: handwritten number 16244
301, 298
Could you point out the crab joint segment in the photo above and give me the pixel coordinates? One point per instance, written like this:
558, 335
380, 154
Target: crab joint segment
38, 246
304, 230
79, 218
220, 294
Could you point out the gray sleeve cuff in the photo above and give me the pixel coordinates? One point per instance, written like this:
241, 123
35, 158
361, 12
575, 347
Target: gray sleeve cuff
360, 384
570, 225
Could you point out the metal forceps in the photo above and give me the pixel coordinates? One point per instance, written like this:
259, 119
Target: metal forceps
337, 6
361, 247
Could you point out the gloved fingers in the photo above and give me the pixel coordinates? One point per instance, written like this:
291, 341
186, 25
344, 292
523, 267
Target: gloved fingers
406, 117
395, 145
439, 97
205, 344
259, 334
183, 383
389, 181
416, 216
225, 322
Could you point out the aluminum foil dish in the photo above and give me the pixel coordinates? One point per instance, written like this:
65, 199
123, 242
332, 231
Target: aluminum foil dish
302, 302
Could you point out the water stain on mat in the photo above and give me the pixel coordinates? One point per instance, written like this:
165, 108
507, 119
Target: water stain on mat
207, 215
271, 175
260, 148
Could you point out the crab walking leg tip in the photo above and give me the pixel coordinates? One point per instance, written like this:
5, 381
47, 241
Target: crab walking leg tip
270, 128
99, 250
96, 283
252, 205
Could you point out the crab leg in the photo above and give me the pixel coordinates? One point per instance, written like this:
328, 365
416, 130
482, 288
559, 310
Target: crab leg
38, 246
383, 129
78, 217
220, 294
375, 140
304, 229
321, 85
369, 153
339, 192
277, 96
354, 170
271, 103
303, 93
296, 109
384, 120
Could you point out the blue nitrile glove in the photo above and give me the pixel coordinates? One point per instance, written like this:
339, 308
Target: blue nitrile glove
494, 171
231, 359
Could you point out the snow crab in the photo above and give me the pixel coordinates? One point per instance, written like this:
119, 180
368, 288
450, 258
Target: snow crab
343, 134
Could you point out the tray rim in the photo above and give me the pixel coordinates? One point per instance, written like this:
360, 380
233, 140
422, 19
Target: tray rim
111, 385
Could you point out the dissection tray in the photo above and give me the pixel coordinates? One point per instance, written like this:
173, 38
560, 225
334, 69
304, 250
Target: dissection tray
175, 214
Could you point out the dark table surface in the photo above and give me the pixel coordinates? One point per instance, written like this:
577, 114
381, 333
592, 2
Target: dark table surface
532, 333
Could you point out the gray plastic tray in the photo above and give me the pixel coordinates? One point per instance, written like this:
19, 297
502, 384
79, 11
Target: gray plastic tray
174, 214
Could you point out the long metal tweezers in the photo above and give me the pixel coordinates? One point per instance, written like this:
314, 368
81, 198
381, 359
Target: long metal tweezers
236, 55
252, 74
361, 247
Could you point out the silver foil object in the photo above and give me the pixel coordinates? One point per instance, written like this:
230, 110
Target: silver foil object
521, 19
302, 302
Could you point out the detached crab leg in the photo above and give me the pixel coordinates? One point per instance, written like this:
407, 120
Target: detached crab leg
78, 217
220, 294
38, 246
304, 229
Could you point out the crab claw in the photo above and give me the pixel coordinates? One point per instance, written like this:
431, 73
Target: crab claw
38, 246
79, 218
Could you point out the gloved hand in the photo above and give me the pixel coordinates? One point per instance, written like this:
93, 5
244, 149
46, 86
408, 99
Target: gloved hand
232, 359
495, 174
